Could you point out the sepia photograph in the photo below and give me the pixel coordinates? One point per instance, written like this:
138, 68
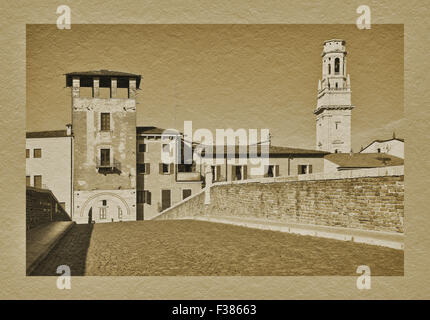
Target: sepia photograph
214, 150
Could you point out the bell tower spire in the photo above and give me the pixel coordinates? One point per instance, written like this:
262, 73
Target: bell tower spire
333, 111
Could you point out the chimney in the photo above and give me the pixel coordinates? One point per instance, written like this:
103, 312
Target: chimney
68, 129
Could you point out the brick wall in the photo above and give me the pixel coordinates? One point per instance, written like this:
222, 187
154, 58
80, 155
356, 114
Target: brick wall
371, 203
42, 207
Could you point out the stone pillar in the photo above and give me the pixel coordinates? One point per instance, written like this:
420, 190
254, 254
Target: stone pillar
132, 88
113, 86
76, 87
96, 86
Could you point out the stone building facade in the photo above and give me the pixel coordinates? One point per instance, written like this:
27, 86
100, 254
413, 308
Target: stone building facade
104, 129
162, 183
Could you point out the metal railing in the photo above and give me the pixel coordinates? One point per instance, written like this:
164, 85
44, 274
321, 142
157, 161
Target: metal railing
108, 166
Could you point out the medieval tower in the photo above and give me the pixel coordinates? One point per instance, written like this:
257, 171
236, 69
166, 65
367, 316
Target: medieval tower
333, 111
104, 130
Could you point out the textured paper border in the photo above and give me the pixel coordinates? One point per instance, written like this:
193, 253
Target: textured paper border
14, 284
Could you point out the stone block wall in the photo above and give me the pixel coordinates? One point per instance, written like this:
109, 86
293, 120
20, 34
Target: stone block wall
369, 203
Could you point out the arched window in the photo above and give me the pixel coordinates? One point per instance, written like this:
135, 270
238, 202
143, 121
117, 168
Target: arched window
329, 69
336, 66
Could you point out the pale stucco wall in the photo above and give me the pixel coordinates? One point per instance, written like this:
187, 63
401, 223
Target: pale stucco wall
393, 147
55, 166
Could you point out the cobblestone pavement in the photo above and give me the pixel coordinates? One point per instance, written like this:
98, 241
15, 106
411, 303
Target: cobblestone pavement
196, 248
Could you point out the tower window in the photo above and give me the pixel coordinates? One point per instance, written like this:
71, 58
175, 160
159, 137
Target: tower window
105, 122
336, 66
104, 157
329, 69
379, 150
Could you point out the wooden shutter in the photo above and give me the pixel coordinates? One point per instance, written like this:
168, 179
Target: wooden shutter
310, 168
277, 170
148, 197
160, 169
233, 173
218, 172
245, 172
172, 169
298, 169
147, 168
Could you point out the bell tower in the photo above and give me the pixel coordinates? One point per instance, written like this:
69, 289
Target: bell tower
333, 111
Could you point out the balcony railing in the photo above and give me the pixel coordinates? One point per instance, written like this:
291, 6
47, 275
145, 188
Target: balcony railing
108, 166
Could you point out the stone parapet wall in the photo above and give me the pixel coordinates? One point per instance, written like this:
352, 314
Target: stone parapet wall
366, 202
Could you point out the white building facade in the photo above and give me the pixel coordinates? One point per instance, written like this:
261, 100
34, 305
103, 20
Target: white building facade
394, 147
49, 164
333, 111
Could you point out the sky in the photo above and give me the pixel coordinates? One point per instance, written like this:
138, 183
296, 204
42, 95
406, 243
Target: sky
223, 76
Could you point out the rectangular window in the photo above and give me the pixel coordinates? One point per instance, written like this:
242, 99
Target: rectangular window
186, 193
27, 153
37, 182
105, 121
104, 157
104, 203
142, 147
239, 172
37, 153
141, 168
27, 181
144, 196
102, 212
271, 171
304, 169
166, 168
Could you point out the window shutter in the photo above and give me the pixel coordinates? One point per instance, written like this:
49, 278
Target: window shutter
310, 168
277, 170
160, 168
218, 172
298, 169
148, 197
245, 172
266, 171
233, 173
148, 168
171, 169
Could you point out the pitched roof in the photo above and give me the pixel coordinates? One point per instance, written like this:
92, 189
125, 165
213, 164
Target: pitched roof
47, 134
273, 151
364, 160
154, 130
381, 141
